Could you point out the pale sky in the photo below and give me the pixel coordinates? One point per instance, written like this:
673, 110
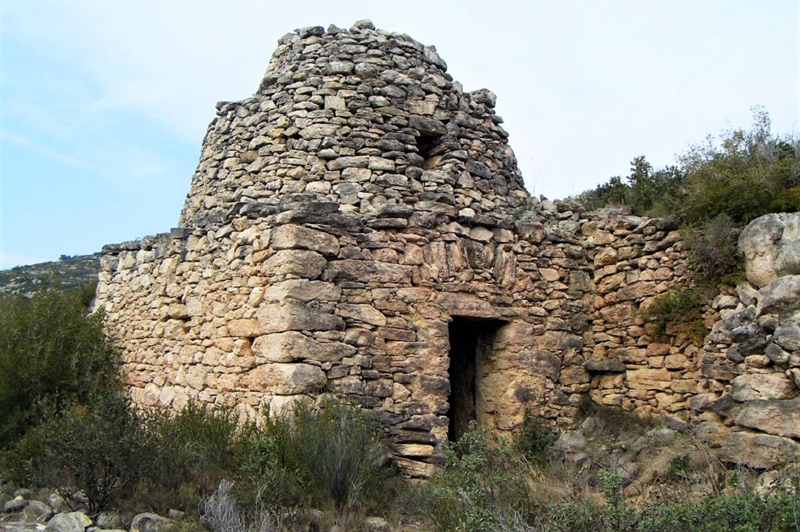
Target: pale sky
105, 102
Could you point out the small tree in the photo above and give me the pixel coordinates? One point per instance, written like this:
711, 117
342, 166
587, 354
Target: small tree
52, 355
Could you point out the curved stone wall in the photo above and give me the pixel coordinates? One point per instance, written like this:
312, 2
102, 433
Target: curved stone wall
362, 118
359, 228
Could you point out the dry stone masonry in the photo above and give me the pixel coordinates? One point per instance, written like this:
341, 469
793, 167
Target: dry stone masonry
359, 227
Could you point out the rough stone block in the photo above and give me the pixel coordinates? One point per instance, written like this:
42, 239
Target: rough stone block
290, 315
363, 313
763, 386
303, 290
293, 236
292, 346
781, 418
285, 379
760, 451
366, 271
295, 262
247, 328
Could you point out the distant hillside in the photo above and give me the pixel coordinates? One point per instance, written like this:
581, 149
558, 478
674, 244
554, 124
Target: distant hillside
67, 272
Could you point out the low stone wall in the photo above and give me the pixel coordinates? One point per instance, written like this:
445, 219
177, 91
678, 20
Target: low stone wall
634, 260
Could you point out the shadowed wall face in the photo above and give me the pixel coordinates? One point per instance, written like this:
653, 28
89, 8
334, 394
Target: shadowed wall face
470, 344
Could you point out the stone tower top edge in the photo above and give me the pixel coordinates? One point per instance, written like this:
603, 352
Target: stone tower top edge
361, 118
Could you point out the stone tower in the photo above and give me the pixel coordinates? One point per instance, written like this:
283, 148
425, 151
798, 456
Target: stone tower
364, 120
351, 230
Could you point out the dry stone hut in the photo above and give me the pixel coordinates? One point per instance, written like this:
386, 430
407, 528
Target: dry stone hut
353, 229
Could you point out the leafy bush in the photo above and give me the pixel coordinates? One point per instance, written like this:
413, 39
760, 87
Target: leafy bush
680, 307
534, 438
477, 489
743, 174
268, 472
100, 451
329, 455
192, 452
53, 355
713, 252
740, 513
736, 513
341, 450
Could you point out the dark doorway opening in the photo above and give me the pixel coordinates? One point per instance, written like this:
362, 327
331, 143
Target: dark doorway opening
470, 340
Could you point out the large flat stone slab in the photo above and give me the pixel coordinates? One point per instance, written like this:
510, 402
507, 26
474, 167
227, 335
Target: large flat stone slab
760, 451
781, 418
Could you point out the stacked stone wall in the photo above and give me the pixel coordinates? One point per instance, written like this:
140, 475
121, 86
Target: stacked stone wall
356, 206
264, 310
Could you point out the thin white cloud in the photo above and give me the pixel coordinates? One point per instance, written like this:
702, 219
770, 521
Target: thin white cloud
33, 146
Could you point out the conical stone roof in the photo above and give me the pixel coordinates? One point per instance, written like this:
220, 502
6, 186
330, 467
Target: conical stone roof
362, 118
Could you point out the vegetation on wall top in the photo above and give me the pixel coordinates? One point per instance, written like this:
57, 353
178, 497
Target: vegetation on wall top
742, 174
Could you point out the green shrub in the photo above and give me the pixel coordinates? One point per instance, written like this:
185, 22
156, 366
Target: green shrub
713, 252
477, 489
535, 438
325, 456
341, 450
741, 513
724, 513
680, 307
193, 450
52, 356
268, 471
745, 174
100, 451
573, 516
742, 174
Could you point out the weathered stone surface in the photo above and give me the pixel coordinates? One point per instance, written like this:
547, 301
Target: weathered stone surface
604, 366
349, 162
68, 522
292, 346
776, 354
292, 236
148, 522
781, 418
248, 328
414, 468
574, 375
760, 451
295, 262
362, 313
779, 296
285, 379
367, 271
427, 126
462, 304
763, 386
318, 131
649, 379
14, 505
290, 315
303, 290
771, 247
788, 336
